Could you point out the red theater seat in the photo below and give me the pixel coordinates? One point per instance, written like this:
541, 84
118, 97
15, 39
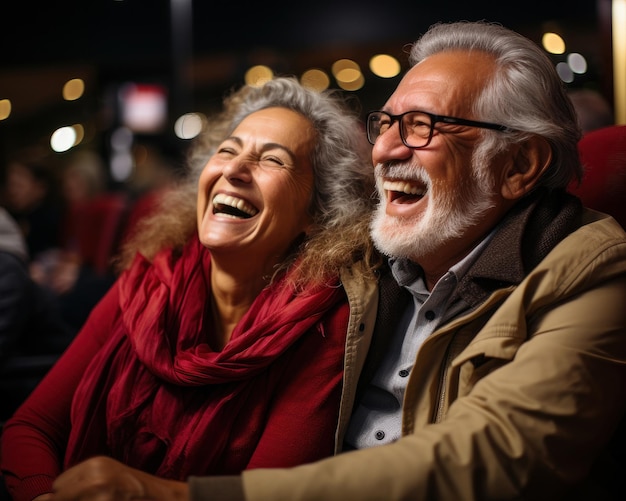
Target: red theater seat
603, 188
99, 229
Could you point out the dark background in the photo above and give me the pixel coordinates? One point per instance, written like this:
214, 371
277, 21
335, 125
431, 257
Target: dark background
200, 49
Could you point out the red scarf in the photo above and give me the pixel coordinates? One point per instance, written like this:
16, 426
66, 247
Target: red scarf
157, 397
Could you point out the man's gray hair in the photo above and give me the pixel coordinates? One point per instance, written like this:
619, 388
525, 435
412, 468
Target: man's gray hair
525, 93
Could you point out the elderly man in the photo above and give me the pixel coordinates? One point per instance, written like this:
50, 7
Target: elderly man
497, 369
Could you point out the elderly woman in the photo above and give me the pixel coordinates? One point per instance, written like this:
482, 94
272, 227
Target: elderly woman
220, 347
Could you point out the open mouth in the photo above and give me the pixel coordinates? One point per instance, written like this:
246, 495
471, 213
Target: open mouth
228, 205
403, 192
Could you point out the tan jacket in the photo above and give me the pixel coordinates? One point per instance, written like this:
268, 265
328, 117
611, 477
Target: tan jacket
514, 400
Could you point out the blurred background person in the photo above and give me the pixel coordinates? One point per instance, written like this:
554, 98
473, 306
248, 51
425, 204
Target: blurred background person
90, 228
83, 178
32, 332
31, 196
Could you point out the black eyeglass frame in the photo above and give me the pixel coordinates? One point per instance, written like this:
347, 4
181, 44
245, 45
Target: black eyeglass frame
433, 120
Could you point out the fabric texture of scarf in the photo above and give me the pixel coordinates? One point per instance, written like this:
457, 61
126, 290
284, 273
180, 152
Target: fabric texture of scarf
157, 397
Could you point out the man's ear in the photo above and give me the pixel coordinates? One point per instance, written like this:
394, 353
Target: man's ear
527, 164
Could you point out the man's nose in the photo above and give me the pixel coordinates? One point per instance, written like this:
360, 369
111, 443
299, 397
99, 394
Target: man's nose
389, 146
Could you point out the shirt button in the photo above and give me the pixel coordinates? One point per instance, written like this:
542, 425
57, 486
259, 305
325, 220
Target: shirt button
430, 315
403, 373
380, 435
361, 327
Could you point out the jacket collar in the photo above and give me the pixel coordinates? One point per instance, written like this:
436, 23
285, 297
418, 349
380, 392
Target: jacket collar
525, 236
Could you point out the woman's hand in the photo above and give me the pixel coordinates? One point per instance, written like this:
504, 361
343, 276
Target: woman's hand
104, 479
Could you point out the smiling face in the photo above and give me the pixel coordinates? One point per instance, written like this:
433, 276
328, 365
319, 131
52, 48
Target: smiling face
255, 191
435, 205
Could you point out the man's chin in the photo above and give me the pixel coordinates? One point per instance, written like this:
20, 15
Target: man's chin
410, 241
392, 242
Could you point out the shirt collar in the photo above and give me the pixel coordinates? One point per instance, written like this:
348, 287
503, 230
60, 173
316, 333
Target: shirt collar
410, 275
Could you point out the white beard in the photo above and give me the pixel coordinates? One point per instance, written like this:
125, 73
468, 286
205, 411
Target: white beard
448, 214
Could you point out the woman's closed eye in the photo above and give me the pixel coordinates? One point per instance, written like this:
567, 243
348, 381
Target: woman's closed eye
272, 161
226, 151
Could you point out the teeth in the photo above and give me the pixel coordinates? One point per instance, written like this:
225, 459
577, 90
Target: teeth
403, 187
237, 203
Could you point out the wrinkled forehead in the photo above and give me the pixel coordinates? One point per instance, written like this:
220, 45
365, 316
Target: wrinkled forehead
447, 83
279, 125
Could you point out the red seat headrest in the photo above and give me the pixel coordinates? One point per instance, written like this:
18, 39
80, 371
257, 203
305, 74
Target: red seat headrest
603, 188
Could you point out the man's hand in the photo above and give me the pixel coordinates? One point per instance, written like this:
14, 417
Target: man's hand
104, 479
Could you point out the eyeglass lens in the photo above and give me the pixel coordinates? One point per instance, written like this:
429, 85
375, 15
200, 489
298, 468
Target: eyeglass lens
415, 127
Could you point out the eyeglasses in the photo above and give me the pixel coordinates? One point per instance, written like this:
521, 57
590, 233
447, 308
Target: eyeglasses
416, 127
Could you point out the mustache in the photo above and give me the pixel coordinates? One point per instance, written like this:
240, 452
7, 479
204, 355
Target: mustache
406, 171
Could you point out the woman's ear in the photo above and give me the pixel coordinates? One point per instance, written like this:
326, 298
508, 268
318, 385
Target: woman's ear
526, 165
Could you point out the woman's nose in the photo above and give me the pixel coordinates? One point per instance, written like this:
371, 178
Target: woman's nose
389, 146
237, 169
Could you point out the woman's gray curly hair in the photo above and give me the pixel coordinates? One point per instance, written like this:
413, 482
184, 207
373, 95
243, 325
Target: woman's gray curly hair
525, 93
343, 198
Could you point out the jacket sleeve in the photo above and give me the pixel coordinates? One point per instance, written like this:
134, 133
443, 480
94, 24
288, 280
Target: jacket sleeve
530, 429
33, 439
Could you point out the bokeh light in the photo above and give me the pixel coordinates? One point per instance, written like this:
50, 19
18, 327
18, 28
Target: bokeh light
188, 126
5, 109
121, 139
122, 165
63, 139
384, 66
315, 79
565, 72
353, 84
553, 43
344, 65
348, 74
577, 63
79, 130
258, 75
73, 89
